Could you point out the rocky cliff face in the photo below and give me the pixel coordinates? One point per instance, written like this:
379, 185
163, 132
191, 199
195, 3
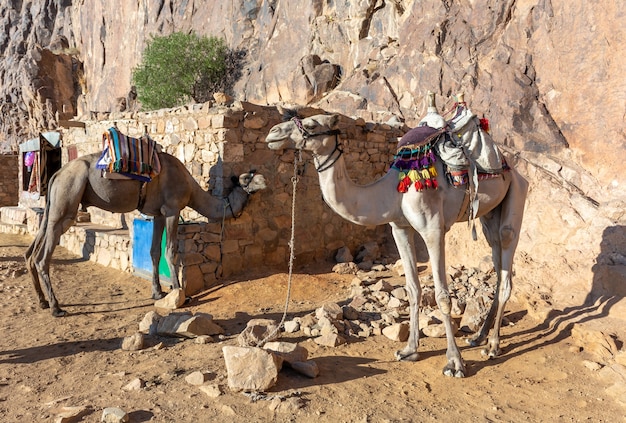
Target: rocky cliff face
547, 73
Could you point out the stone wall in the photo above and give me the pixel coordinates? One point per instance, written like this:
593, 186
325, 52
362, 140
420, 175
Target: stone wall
8, 179
217, 142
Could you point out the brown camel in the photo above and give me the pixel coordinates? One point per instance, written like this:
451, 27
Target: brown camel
79, 182
430, 213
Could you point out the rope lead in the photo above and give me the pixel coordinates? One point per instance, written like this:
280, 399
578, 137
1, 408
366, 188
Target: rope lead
294, 180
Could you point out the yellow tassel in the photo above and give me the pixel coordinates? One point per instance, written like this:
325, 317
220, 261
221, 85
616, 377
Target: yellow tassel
413, 175
433, 171
425, 174
401, 176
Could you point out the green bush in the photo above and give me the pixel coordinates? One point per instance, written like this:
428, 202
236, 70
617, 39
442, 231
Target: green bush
179, 68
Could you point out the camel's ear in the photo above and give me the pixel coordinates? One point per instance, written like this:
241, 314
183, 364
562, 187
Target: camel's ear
287, 114
334, 121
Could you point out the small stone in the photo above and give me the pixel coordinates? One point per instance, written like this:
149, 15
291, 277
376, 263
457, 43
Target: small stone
133, 343
397, 332
346, 268
395, 303
592, 365
307, 368
330, 340
350, 313
382, 286
332, 311
212, 391
474, 314
134, 385
204, 339
251, 368
439, 330
292, 326
343, 255
288, 351
69, 414
197, 325
258, 331
149, 323
400, 293
196, 378
286, 406
399, 268
114, 415
175, 299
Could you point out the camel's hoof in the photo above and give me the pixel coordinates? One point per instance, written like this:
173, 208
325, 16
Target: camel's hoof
157, 295
59, 313
475, 342
490, 353
451, 372
403, 356
44, 304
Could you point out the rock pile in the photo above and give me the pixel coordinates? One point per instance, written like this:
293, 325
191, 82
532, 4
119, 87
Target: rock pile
377, 307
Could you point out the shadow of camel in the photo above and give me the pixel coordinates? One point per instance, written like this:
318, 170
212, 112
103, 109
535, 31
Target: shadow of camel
607, 289
62, 349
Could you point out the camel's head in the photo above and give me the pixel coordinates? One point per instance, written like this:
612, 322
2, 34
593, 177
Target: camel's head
315, 134
252, 182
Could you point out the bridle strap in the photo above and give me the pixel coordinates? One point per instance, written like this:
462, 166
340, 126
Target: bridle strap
330, 160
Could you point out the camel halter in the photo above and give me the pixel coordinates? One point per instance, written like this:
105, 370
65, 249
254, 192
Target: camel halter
330, 160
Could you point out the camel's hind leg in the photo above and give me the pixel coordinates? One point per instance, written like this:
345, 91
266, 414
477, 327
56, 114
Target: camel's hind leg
65, 192
502, 229
42, 264
32, 269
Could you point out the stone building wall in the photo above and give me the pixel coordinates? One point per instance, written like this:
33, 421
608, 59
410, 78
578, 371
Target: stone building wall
217, 142
8, 180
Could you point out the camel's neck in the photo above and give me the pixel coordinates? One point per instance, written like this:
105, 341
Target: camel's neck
374, 204
212, 207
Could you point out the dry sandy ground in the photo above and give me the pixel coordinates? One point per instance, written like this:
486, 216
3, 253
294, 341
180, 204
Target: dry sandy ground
47, 363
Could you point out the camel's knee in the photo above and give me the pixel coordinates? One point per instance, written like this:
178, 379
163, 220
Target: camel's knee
444, 302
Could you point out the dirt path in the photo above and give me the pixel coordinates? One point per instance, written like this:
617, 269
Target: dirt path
48, 363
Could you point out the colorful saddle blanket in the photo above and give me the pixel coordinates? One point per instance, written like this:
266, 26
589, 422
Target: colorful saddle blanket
135, 158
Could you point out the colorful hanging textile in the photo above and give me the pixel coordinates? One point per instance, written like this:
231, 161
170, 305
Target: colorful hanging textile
415, 159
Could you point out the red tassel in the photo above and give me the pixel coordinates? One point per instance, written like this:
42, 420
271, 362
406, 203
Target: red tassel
404, 184
484, 124
435, 184
428, 183
418, 185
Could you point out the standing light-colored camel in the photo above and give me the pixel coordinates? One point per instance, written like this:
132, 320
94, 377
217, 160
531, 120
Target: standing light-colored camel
430, 213
173, 189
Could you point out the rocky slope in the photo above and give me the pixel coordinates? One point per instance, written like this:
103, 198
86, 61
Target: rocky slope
545, 72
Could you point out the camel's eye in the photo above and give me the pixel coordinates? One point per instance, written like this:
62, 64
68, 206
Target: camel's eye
308, 125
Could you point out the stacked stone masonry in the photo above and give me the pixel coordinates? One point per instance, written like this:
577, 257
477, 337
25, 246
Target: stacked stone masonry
8, 180
215, 142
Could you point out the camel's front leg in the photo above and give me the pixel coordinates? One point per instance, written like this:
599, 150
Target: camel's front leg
171, 249
155, 255
435, 242
405, 242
